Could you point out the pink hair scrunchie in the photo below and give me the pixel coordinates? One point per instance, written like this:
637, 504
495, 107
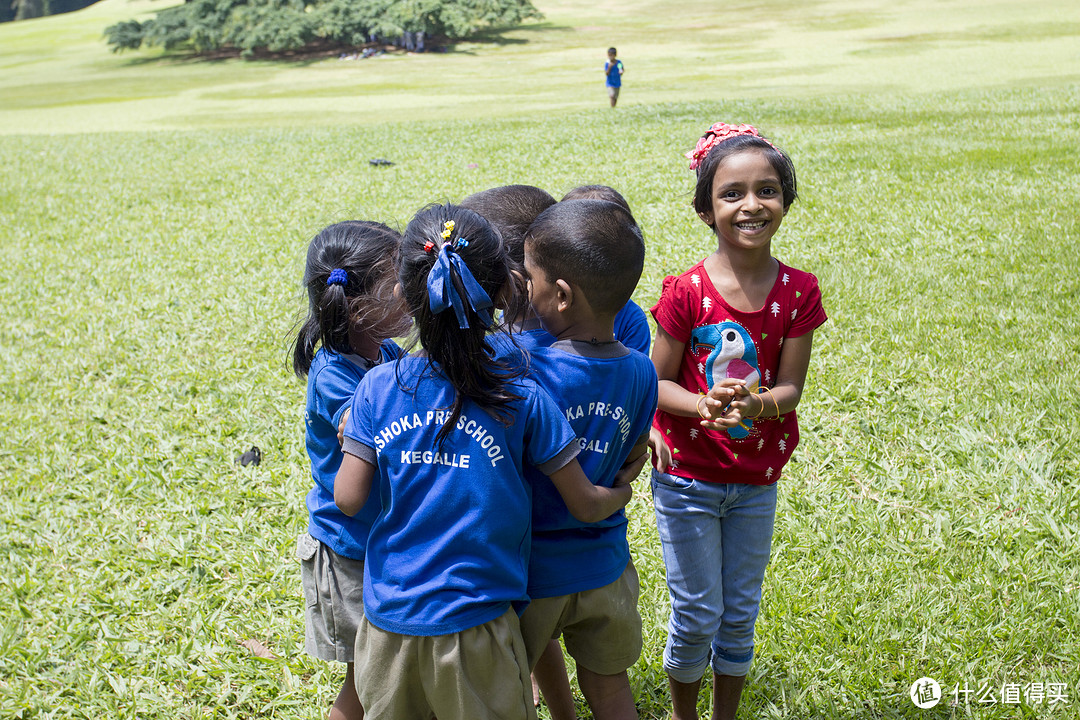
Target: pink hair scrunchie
717, 134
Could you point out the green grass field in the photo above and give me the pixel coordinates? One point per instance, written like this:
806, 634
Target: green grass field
153, 217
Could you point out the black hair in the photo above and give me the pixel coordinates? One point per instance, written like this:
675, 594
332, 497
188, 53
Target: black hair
597, 192
511, 209
706, 171
365, 251
612, 51
463, 355
592, 244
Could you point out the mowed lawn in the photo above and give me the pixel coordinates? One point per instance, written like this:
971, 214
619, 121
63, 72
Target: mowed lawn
153, 218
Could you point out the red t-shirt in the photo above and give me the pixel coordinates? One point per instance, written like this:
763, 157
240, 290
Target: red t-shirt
724, 342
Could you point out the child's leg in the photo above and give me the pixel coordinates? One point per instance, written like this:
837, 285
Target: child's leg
347, 706
550, 676
609, 696
726, 692
747, 530
539, 625
603, 634
688, 518
334, 606
684, 699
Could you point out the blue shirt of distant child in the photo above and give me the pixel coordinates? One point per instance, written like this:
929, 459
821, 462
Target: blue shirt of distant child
332, 381
614, 73
450, 549
608, 393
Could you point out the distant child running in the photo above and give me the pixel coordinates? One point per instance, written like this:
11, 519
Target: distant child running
613, 70
732, 350
584, 259
349, 276
441, 438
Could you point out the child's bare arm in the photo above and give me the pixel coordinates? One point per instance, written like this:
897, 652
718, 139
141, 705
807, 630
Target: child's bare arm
660, 449
673, 398
634, 462
353, 484
784, 396
667, 355
587, 502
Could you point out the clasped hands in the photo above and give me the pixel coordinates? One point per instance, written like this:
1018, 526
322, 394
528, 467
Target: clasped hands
726, 404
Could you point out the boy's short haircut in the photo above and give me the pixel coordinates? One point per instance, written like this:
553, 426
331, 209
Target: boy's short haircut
597, 192
612, 51
592, 244
511, 209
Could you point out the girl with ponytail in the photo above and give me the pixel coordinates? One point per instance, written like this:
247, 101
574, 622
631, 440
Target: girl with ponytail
352, 313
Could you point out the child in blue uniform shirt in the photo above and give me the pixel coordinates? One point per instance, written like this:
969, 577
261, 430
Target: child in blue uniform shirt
584, 259
349, 276
512, 209
441, 437
631, 323
613, 71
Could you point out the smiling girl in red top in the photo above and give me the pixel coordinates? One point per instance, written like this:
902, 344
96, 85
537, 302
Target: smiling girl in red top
732, 349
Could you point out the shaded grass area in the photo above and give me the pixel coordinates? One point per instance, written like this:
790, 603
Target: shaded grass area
928, 525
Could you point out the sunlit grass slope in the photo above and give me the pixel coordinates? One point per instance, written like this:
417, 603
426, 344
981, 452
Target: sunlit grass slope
153, 218
928, 526
59, 76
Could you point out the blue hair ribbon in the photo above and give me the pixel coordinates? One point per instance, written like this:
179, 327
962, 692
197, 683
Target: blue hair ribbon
337, 277
442, 293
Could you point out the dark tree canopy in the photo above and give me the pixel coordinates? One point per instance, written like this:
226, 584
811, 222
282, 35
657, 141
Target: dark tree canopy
26, 9
277, 26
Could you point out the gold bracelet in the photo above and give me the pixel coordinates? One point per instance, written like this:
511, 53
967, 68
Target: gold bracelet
771, 397
761, 409
698, 406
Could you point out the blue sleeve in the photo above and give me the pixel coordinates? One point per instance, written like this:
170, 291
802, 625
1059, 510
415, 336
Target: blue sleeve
334, 388
390, 351
359, 438
648, 406
550, 442
632, 328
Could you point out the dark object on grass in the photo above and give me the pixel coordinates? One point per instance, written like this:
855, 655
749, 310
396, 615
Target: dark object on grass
251, 457
380, 162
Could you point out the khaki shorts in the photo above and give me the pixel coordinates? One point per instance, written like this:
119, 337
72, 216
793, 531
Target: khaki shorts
601, 628
333, 600
476, 673
612, 92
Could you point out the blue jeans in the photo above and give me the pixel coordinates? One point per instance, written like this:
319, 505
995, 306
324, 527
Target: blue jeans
716, 539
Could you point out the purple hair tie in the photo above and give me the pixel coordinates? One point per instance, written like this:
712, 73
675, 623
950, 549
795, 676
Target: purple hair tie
337, 277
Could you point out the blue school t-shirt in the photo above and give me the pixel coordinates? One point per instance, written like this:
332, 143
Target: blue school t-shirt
631, 329
614, 73
608, 393
332, 381
450, 548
